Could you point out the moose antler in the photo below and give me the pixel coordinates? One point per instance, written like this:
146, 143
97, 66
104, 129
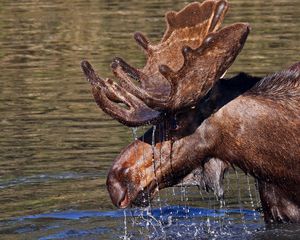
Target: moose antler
107, 93
181, 69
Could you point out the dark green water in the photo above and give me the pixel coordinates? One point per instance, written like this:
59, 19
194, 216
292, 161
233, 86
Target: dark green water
56, 145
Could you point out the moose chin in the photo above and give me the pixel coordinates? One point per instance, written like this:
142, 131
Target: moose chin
201, 122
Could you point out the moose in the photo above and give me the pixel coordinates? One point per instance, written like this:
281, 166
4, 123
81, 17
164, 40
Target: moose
202, 121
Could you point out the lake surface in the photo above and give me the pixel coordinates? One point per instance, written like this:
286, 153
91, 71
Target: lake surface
56, 145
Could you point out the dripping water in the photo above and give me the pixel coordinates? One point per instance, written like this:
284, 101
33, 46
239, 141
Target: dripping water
227, 190
154, 166
257, 198
134, 133
240, 202
156, 180
208, 220
125, 237
173, 191
222, 205
200, 192
157, 225
184, 199
251, 198
150, 221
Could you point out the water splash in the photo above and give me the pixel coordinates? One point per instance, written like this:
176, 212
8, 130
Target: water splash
257, 198
250, 194
214, 224
155, 167
240, 202
125, 237
134, 133
170, 222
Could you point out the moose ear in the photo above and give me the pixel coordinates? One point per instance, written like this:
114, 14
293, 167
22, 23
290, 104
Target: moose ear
205, 65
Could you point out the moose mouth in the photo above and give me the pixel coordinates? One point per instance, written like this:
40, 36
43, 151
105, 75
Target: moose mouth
144, 198
140, 198
209, 178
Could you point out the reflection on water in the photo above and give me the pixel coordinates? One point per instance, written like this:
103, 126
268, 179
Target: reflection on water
55, 145
172, 221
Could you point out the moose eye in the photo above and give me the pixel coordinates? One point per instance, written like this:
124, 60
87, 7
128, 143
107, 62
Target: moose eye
174, 124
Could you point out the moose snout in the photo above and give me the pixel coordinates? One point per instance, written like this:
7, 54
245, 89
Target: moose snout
117, 191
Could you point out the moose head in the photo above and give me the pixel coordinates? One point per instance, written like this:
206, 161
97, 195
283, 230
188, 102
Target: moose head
170, 92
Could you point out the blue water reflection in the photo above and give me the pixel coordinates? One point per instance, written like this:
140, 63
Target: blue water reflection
170, 222
178, 211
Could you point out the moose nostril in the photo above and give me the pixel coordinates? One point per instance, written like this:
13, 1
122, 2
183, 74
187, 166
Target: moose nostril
123, 201
117, 192
119, 195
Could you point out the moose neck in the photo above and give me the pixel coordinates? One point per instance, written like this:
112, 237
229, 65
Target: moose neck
224, 91
185, 122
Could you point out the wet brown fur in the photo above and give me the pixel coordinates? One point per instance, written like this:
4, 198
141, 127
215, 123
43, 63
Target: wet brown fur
252, 130
246, 121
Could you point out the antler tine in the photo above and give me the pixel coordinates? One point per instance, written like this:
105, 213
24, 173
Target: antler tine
130, 71
205, 65
142, 41
125, 73
107, 94
211, 11
94, 79
90, 74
